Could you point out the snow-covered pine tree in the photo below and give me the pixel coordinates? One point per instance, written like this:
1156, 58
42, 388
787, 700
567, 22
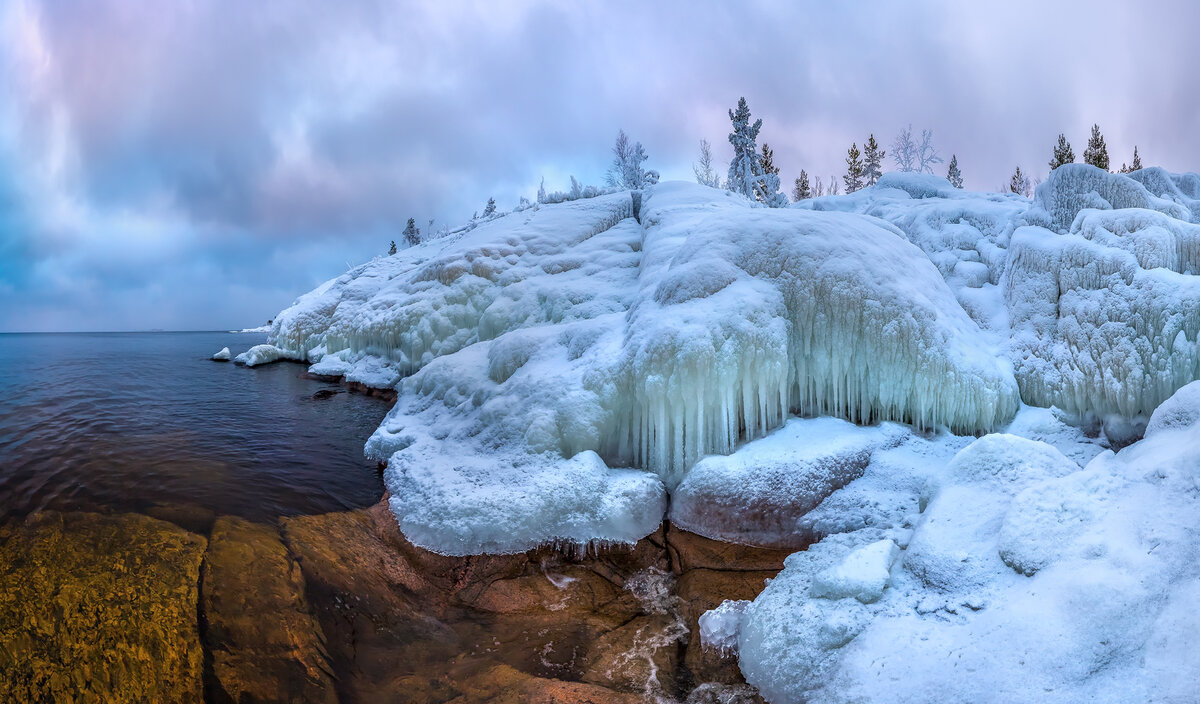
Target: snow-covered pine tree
904, 150
1137, 160
706, 175
854, 169
1063, 154
801, 191
927, 156
412, 235
953, 175
1019, 183
619, 169
872, 160
489, 209
392, 249
541, 196
1096, 153
746, 174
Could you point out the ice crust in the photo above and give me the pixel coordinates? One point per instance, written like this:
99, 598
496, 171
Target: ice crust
222, 356
263, 354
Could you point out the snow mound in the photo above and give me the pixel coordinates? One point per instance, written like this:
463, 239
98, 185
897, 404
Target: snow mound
222, 356
1179, 188
1073, 188
262, 354
1026, 578
538, 266
1180, 411
756, 495
1105, 319
965, 234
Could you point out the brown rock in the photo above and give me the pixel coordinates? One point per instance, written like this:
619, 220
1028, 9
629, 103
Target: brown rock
99, 608
266, 646
505, 685
642, 656
689, 551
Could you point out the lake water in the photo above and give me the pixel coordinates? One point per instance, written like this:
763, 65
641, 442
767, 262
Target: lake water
142, 421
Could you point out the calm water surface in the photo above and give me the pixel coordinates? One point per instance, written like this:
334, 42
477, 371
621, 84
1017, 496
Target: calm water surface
135, 421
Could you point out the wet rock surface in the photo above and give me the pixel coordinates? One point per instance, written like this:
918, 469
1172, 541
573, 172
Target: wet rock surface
340, 607
263, 641
99, 608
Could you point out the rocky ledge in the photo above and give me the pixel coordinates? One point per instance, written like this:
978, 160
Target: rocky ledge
340, 607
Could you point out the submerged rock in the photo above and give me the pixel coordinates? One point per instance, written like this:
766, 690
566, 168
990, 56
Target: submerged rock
99, 608
264, 641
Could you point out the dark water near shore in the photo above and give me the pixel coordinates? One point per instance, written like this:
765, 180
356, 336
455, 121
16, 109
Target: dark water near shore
135, 421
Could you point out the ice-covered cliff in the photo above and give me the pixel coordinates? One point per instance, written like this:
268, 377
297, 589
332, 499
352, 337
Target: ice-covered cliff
573, 373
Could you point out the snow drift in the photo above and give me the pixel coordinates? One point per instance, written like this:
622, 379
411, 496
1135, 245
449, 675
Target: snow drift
1043, 580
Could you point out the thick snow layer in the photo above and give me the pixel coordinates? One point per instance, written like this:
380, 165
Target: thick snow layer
1026, 578
1105, 319
262, 354
222, 356
965, 234
544, 265
756, 495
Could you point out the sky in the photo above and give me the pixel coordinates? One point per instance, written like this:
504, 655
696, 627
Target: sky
199, 164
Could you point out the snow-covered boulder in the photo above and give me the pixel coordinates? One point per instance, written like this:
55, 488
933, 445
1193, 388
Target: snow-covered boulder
222, 356
863, 574
262, 354
1180, 411
757, 495
1106, 318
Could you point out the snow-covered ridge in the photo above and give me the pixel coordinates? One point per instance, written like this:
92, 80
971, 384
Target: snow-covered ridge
574, 342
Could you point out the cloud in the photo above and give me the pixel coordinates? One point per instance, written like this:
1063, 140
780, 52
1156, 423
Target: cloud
199, 164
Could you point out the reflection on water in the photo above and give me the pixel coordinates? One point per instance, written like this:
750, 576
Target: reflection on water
128, 422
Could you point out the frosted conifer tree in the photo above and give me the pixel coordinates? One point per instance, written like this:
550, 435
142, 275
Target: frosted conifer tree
746, 174
801, 191
412, 235
392, 249
1063, 154
1019, 183
953, 175
872, 159
490, 209
541, 196
1096, 153
706, 175
854, 169
1137, 160
768, 160
904, 151
626, 169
